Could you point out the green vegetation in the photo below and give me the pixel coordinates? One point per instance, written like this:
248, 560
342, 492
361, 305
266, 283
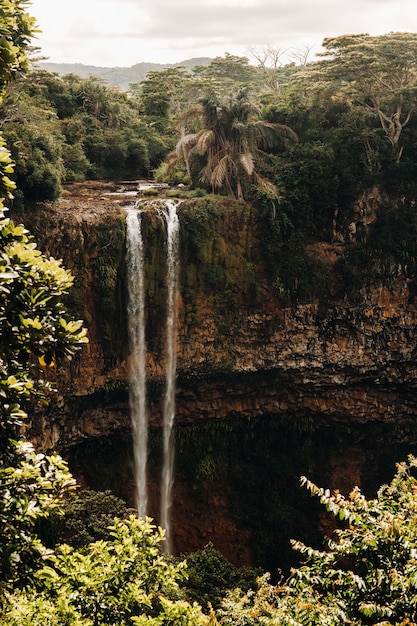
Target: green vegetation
86, 517
210, 576
125, 581
378, 74
366, 574
108, 241
311, 145
66, 129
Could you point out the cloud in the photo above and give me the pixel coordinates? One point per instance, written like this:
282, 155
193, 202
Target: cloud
124, 32
263, 21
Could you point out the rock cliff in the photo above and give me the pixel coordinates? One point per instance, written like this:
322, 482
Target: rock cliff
267, 389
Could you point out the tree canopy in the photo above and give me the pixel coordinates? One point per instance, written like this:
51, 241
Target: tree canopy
231, 137
380, 73
17, 30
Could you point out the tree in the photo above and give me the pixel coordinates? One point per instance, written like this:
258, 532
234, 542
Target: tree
366, 575
36, 148
210, 576
160, 92
87, 516
47, 89
35, 330
17, 29
234, 71
32, 130
125, 581
370, 566
270, 60
378, 73
67, 128
231, 137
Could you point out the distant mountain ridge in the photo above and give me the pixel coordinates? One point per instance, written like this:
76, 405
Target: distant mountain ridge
118, 76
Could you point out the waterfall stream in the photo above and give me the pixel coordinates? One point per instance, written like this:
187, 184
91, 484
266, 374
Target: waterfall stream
172, 223
137, 344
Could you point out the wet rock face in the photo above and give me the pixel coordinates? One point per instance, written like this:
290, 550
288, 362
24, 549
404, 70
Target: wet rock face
342, 365
336, 379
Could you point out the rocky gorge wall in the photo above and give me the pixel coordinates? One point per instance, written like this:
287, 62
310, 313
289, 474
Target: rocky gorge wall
267, 390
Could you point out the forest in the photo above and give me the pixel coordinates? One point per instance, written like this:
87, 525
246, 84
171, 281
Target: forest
305, 140
301, 141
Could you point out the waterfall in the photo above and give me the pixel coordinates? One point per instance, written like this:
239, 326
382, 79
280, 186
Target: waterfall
172, 223
137, 344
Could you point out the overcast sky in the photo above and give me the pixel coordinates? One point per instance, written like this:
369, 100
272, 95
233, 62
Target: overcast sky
125, 32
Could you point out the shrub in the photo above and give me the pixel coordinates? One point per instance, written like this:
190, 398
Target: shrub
366, 575
126, 581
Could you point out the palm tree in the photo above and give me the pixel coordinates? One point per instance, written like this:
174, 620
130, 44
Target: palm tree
231, 137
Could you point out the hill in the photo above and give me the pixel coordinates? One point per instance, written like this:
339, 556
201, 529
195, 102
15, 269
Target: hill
120, 77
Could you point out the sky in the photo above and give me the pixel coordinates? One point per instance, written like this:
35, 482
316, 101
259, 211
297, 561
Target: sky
122, 33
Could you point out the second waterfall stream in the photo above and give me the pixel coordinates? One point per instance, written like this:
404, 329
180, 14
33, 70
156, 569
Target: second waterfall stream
135, 258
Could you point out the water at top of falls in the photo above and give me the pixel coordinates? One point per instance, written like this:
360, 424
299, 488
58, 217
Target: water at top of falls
137, 345
172, 223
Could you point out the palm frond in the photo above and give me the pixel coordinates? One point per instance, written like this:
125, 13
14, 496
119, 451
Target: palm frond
172, 159
185, 142
222, 172
246, 161
269, 134
265, 184
204, 141
191, 114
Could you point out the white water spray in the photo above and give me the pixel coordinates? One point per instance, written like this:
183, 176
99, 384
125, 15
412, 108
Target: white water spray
172, 223
137, 343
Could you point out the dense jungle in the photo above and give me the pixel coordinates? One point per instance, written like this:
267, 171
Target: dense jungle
295, 493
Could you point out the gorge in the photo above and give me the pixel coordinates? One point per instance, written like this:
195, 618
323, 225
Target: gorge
268, 389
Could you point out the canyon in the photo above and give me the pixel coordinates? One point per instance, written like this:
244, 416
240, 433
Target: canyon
268, 388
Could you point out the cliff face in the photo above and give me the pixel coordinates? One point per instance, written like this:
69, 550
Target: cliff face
266, 390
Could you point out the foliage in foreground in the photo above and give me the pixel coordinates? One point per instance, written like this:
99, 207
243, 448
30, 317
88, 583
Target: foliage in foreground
123, 581
35, 331
366, 575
